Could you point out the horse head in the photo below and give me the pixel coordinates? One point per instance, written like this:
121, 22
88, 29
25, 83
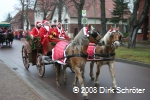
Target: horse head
113, 37
94, 36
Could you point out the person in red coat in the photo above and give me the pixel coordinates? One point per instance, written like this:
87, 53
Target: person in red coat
59, 32
46, 35
35, 30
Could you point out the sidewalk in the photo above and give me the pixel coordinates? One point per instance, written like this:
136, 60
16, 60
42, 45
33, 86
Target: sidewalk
13, 87
16, 83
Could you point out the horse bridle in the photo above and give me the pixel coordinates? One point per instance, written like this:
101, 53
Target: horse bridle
117, 32
95, 35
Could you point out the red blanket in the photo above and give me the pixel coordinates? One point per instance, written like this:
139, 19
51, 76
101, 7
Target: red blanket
91, 50
58, 52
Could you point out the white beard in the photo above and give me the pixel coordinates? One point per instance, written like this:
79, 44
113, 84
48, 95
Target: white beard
47, 28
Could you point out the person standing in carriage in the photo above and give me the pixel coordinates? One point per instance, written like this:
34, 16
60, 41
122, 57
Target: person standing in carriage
33, 39
35, 31
34, 36
59, 32
46, 36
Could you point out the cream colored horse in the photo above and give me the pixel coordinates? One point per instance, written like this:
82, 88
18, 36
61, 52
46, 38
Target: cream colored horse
77, 55
112, 41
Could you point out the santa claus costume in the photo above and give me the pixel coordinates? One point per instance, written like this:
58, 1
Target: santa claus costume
46, 36
35, 30
59, 32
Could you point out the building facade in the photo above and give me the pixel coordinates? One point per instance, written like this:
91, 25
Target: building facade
144, 31
93, 14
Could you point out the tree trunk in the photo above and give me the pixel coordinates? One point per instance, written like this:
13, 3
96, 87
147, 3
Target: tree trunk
22, 17
45, 14
103, 18
60, 7
133, 21
79, 18
134, 26
79, 6
27, 21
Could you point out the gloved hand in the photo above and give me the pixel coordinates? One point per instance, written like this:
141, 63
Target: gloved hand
50, 36
54, 33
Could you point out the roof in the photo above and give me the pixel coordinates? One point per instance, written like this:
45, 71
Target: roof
48, 4
17, 17
31, 16
92, 8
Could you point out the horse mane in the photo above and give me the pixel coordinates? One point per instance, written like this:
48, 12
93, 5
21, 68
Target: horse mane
79, 41
106, 38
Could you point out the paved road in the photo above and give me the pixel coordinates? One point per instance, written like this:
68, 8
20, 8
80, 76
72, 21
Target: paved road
127, 76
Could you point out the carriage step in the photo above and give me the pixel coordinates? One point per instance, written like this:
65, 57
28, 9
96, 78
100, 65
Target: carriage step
46, 62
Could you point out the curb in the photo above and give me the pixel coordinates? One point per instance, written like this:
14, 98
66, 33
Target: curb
132, 62
41, 89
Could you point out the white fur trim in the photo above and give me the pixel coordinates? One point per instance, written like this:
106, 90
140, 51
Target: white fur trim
59, 30
84, 30
63, 63
46, 27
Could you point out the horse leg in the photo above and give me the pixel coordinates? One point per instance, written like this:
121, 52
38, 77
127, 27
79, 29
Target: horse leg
8, 42
75, 80
82, 72
112, 71
99, 65
91, 70
64, 74
57, 69
79, 77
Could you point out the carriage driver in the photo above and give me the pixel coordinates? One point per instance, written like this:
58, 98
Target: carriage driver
59, 32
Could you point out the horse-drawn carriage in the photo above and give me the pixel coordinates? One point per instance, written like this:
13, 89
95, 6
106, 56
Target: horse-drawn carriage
36, 55
76, 53
6, 34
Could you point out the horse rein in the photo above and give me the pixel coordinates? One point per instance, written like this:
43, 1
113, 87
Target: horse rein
95, 36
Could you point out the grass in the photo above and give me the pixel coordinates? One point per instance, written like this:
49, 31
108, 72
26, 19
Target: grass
138, 54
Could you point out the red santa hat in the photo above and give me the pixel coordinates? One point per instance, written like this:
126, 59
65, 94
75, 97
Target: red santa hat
44, 21
38, 23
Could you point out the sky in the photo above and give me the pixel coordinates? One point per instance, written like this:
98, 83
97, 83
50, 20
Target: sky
7, 6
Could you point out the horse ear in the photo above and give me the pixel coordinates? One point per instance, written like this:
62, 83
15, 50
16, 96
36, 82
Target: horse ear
89, 26
118, 28
111, 28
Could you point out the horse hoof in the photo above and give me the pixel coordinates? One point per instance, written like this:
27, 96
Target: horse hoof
115, 89
97, 85
58, 84
92, 78
64, 82
86, 98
